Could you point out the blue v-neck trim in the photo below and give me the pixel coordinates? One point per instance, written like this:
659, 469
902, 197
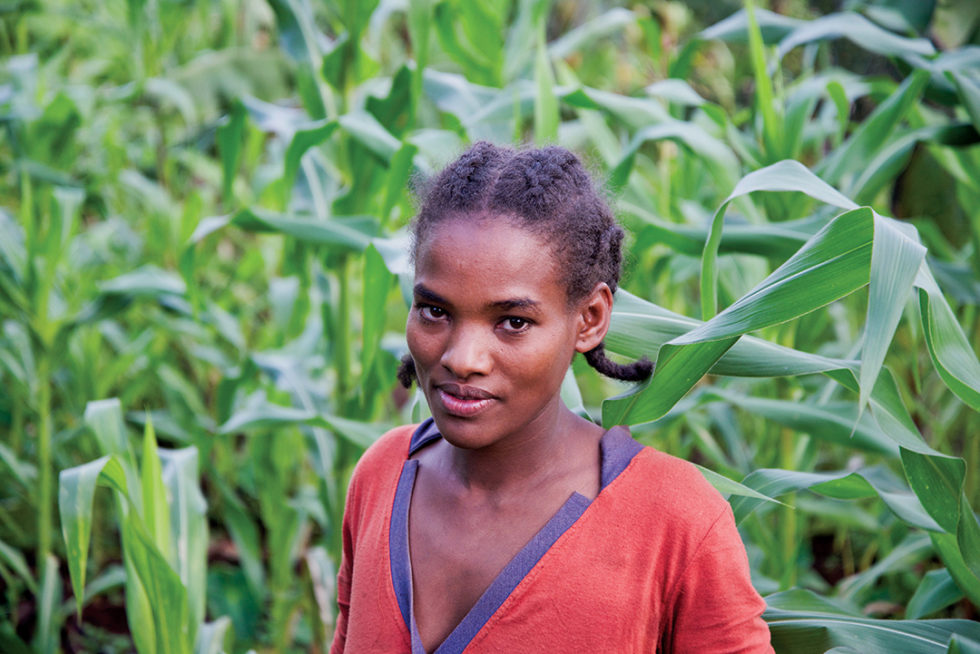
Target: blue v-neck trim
617, 449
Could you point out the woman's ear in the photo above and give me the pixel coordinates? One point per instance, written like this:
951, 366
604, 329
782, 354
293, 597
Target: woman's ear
594, 314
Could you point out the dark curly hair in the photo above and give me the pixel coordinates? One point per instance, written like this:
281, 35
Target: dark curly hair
549, 192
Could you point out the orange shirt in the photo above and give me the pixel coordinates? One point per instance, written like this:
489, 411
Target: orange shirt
653, 564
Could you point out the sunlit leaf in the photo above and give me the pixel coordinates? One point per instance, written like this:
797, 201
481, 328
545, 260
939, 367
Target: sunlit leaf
858, 30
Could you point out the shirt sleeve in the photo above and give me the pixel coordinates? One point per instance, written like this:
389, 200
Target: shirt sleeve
715, 608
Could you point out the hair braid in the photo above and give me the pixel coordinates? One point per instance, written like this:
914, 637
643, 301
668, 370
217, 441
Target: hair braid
636, 371
406, 371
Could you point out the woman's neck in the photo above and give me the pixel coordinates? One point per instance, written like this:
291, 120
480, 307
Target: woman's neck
555, 445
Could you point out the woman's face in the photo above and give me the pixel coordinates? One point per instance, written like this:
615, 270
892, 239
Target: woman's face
491, 330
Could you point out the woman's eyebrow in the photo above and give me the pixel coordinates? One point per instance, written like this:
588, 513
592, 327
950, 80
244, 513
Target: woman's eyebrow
424, 293
525, 303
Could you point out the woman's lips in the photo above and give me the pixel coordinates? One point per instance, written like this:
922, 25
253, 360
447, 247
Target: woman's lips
462, 401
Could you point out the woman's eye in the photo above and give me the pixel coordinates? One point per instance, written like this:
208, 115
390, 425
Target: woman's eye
514, 324
431, 313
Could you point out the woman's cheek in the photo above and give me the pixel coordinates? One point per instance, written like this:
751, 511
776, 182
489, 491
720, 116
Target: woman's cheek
421, 346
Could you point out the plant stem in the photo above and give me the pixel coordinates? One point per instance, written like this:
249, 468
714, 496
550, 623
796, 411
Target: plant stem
44, 457
789, 537
342, 333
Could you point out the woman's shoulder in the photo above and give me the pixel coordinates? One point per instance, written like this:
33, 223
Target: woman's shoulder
668, 487
376, 473
391, 449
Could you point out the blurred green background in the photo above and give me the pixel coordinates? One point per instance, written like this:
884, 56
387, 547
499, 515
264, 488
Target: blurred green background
203, 284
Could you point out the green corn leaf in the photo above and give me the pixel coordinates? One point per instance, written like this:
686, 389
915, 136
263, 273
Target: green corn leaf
114, 576
16, 561
245, 534
581, 37
858, 30
677, 91
948, 548
400, 169
948, 346
546, 116
781, 176
837, 93
866, 482
835, 262
940, 481
797, 628
485, 113
959, 645
891, 160
156, 600
476, 64
13, 254
636, 113
772, 26
896, 257
377, 282
853, 157
420, 31
639, 328
968, 536
772, 124
689, 135
147, 281
49, 600
911, 551
730, 487
229, 137
837, 423
139, 611
395, 252
64, 216
156, 512
164, 591
303, 140
571, 395
344, 235
366, 130
831, 265
455, 95
323, 577
969, 91
936, 591
189, 528
297, 31
213, 636
105, 419
25, 473
267, 416
76, 489
518, 56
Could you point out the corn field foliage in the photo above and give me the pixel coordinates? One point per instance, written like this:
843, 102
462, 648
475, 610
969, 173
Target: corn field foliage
204, 282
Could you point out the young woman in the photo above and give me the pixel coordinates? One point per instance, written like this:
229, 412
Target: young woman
507, 523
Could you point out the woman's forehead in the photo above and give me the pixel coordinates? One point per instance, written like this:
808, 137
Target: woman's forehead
488, 257
489, 241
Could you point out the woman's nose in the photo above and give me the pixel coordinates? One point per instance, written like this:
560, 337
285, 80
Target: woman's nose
467, 353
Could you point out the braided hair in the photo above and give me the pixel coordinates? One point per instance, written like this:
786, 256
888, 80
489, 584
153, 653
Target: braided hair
549, 192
